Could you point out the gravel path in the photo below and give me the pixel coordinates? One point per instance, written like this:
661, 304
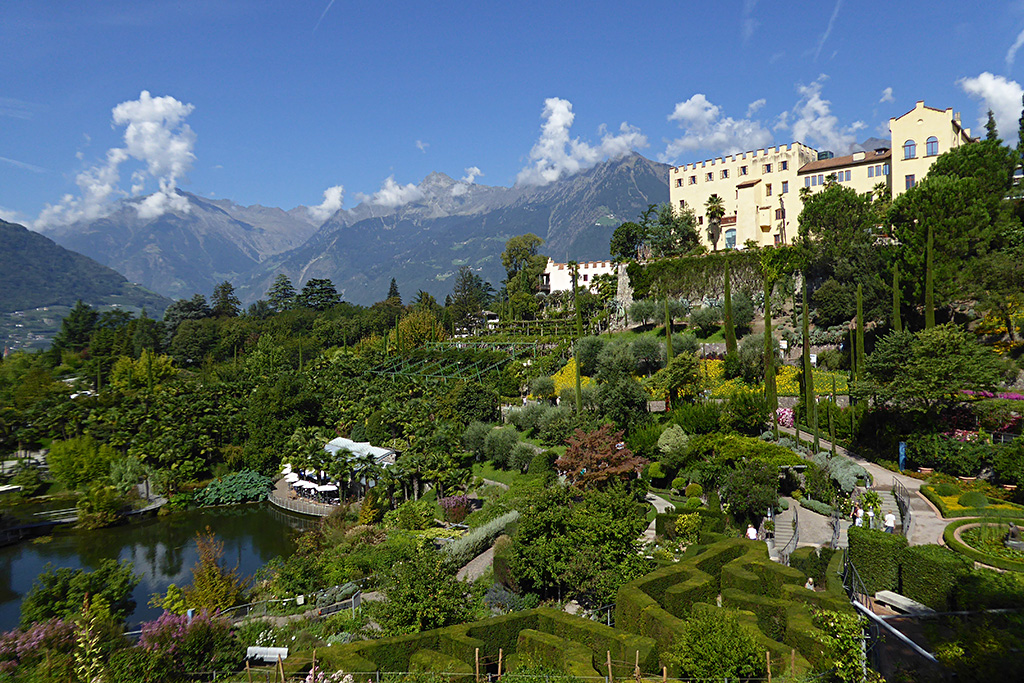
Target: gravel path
477, 566
661, 505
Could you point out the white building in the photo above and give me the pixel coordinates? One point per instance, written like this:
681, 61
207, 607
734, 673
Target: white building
558, 278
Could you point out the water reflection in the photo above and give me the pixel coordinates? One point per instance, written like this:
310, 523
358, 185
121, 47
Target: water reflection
163, 551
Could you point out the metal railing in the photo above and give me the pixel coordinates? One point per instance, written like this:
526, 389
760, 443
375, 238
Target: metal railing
790, 546
902, 496
837, 529
303, 507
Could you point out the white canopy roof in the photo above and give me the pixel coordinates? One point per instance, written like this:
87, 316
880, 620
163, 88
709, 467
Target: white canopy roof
383, 456
326, 487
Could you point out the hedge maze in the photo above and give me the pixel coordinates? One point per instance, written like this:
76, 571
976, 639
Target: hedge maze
650, 613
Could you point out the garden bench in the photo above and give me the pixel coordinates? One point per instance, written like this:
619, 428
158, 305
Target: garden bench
901, 603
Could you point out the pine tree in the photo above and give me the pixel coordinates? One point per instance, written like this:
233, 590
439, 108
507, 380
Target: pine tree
991, 133
929, 281
393, 291
1020, 134
281, 295
729, 326
224, 302
897, 321
575, 270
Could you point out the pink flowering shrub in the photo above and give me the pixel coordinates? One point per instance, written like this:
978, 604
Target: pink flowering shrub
206, 643
18, 646
785, 416
456, 508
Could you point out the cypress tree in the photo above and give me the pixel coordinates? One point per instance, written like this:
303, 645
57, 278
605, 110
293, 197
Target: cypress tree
860, 331
730, 328
575, 270
929, 282
831, 423
809, 398
770, 391
897, 321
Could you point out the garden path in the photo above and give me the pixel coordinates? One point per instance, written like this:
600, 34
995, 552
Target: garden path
477, 566
660, 505
927, 523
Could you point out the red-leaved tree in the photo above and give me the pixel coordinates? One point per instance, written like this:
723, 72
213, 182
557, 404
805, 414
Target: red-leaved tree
596, 459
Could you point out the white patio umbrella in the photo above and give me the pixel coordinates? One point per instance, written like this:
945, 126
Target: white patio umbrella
291, 477
287, 469
326, 487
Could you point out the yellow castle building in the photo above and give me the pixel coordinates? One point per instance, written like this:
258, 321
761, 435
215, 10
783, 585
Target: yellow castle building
760, 189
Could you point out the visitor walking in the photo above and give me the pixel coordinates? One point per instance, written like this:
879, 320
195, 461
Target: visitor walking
858, 516
751, 532
890, 522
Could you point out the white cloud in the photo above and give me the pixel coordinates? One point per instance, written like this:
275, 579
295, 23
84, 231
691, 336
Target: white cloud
812, 121
887, 96
1011, 54
422, 146
156, 135
704, 128
999, 94
22, 165
460, 188
19, 109
392, 195
828, 29
749, 23
556, 154
9, 215
334, 197
755, 106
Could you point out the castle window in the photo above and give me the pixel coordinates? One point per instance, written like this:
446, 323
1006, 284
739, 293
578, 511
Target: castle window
710, 176
909, 149
767, 168
679, 182
783, 165
785, 186
693, 180
768, 190
743, 170
909, 181
725, 173
730, 238
931, 146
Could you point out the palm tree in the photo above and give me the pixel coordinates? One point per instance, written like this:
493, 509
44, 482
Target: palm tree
715, 209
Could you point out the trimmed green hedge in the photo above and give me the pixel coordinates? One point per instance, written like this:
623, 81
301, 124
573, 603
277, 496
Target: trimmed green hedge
817, 506
559, 653
876, 555
813, 562
930, 573
712, 521
966, 550
989, 511
439, 662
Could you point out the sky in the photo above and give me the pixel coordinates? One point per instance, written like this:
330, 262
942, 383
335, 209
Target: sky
326, 103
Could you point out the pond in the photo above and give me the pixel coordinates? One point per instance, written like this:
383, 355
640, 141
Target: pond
162, 550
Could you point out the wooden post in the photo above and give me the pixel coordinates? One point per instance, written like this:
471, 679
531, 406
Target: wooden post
611, 679
768, 658
636, 667
478, 665
248, 673
792, 663
500, 654
664, 674
280, 668
312, 668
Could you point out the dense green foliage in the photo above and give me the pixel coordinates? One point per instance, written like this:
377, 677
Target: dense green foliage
61, 592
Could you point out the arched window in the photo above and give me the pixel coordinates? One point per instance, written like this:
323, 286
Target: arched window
931, 147
730, 238
909, 149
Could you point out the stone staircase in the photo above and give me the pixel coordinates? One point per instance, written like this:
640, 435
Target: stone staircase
783, 533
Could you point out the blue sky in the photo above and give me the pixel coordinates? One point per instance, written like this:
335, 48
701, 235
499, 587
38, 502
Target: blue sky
275, 102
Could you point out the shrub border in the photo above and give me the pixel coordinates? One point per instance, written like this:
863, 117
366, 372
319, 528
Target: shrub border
949, 536
928, 492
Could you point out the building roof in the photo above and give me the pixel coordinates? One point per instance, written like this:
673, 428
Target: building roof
748, 183
384, 456
872, 157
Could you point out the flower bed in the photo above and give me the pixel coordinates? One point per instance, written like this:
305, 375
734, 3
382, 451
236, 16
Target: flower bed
950, 507
993, 559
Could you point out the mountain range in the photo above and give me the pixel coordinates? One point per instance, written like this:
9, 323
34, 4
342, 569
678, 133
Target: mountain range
421, 243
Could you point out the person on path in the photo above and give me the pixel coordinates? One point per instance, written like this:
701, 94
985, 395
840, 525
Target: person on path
890, 523
859, 519
751, 532
871, 518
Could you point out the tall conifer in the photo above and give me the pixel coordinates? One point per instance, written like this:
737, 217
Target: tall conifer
810, 399
897, 320
730, 327
929, 281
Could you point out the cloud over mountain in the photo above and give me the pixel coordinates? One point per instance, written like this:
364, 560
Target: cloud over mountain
556, 155
999, 94
155, 135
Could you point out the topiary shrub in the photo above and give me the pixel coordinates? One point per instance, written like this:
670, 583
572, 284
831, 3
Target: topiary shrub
930, 573
876, 555
679, 483
947, 489
973, 499
694, 490
688, 528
